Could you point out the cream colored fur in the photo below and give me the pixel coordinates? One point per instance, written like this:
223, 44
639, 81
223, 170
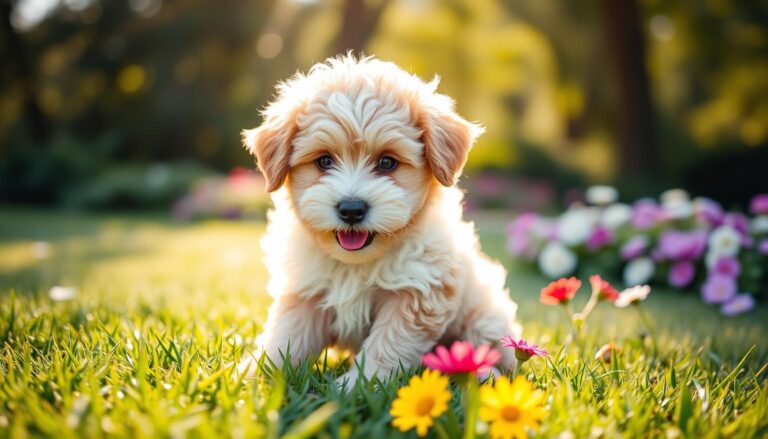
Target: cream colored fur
423, 279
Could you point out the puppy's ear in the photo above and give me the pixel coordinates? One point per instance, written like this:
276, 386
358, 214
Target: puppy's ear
271, 144
447, 140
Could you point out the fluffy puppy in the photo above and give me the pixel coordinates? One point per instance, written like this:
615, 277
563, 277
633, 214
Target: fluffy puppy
366, 247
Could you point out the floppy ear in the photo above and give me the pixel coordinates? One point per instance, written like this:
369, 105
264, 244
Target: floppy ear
447, 140
271, 144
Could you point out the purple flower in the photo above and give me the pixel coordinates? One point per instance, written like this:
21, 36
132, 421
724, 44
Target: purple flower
739, 222
519, 233
709, 211
523, 350
718, 289
676, 245
523, 223
646, 213
759, 204
739, 304
600, 237
634, 247
763, 247
681, 274
728, 267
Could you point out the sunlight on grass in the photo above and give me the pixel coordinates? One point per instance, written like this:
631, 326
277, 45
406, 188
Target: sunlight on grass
163, 310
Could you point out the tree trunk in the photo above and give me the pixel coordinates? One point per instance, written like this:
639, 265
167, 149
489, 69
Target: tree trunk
20, 72
358, 22
638, 154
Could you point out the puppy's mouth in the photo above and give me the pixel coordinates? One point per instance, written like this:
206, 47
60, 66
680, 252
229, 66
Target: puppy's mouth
352, 240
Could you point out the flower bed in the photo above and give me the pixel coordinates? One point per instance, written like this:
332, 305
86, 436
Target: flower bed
689, 244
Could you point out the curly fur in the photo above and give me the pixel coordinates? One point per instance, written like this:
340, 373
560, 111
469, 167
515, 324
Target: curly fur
423, 279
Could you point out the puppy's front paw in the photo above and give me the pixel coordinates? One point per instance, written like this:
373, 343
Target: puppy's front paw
349, 379
247, 367
508, 361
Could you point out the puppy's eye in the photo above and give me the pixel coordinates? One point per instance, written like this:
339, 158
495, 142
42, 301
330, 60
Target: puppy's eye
324, 162
387, 163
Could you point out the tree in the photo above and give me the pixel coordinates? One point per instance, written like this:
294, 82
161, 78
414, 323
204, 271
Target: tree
358, 23
638, 155
20, 72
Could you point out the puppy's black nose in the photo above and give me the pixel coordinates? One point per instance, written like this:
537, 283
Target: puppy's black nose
352, 211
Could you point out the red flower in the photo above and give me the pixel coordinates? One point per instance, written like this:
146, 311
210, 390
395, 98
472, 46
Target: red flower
462, 358
560, 291
603, 289
523, 350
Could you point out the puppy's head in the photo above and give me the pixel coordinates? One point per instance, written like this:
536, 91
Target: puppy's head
359, 146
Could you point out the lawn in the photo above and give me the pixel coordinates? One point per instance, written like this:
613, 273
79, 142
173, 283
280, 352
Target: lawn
163, 310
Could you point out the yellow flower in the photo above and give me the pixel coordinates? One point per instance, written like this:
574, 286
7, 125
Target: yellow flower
424, 398
510, 408
332, 357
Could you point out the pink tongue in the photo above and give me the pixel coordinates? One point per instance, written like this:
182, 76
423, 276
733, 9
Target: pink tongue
352, 240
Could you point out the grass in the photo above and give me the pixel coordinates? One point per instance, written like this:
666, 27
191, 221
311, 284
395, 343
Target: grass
164, 310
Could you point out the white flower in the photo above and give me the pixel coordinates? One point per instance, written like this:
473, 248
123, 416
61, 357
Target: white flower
575, 225
677, 204
678, 210
724, 241
638, 271
632, 295
759, 224
602, 195
711, 259
60, 294
616, 215
555, 260
675, 196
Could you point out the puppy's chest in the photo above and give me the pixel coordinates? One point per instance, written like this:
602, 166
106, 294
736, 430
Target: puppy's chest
352, 299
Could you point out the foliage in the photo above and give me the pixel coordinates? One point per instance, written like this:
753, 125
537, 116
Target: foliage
157, 81
163, 312
683, 243
128, 186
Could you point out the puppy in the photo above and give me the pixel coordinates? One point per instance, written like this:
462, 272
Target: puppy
366, 247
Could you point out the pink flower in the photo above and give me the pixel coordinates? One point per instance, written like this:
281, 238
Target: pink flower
681, 273
646, 213
489, 185
519, 234
763, 247
523, 350
728, 267
709, 211
599, 238
603, 289
759, 204
633, 295
676, 245
739, 304
718, 289
634, 247
560, 291
739, 222
462, 358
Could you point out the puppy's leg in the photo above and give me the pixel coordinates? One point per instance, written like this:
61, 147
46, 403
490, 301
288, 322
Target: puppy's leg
406, 327
488, 324
297, 323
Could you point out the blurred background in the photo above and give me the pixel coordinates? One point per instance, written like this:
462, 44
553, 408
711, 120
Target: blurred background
138, 104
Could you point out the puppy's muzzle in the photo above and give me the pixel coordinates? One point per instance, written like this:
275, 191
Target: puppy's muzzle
352, 211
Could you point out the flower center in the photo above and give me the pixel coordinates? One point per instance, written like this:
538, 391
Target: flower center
424, 406
510, 413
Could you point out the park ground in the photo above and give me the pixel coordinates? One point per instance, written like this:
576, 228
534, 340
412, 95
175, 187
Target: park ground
144, 343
